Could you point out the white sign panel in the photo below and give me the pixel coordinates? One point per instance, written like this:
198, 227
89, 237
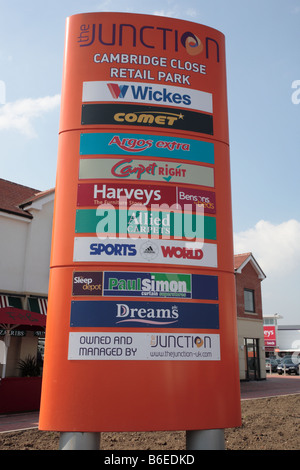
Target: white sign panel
146, 170
129, 250
146, 93
144, 346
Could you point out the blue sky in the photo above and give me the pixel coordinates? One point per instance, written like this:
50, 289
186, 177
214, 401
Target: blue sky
263, 63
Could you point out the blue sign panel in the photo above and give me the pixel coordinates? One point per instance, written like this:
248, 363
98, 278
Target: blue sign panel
146, 145
91, 313
205, 287
167, 285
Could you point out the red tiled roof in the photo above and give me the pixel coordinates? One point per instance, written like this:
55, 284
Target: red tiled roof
12, 195
240, 258
40, 194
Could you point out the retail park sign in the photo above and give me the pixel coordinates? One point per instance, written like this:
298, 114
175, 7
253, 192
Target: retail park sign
141, 292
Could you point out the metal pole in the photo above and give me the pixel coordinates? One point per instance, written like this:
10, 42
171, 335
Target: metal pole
207, 439
79, 441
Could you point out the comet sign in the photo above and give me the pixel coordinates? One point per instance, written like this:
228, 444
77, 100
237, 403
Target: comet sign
141, 327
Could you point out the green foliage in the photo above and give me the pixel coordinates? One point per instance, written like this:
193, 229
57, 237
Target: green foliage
29, 367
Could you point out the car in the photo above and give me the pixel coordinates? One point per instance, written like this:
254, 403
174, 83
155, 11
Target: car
271, 365
288, 366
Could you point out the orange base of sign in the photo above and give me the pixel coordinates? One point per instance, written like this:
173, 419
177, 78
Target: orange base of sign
122, 395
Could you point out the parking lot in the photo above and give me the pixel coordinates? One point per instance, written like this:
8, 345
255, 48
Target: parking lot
274, 385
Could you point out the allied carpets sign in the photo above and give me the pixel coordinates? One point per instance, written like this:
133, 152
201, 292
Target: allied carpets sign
136, 222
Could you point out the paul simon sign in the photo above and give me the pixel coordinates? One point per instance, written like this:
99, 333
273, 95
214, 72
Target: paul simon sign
141, 325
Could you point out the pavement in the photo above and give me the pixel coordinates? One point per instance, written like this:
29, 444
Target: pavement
19, 421
274, 385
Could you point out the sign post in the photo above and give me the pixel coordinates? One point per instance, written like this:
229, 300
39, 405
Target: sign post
79, 441
141, 328
208, 439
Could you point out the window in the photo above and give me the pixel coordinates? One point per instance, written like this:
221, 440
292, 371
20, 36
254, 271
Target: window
249, 300
10, 301
33, 305
269, 321
15, 301
38, 305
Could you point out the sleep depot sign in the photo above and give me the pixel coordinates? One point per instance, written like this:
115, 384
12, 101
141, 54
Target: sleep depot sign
141, 326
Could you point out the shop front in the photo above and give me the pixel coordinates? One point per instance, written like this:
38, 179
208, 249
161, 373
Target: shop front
20, 382
251, 350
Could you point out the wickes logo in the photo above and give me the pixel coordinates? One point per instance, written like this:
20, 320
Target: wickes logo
148, 93
117, 91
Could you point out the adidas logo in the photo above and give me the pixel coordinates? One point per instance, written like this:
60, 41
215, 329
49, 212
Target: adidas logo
149, 251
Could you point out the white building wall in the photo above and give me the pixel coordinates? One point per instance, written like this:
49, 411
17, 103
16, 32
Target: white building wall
13, 231
38, 247
25, 250
289, 340
248, 328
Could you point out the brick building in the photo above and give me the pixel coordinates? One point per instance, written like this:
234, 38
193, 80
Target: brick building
248, 276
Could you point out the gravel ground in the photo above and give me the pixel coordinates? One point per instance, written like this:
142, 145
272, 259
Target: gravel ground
267, 424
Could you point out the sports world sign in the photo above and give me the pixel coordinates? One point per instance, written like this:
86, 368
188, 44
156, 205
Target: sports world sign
141, 270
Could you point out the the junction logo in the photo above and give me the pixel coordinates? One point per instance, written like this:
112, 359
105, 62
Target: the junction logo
149, 37
192, 43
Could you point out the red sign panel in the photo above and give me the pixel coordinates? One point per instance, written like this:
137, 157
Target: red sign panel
270, 336
95, 194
